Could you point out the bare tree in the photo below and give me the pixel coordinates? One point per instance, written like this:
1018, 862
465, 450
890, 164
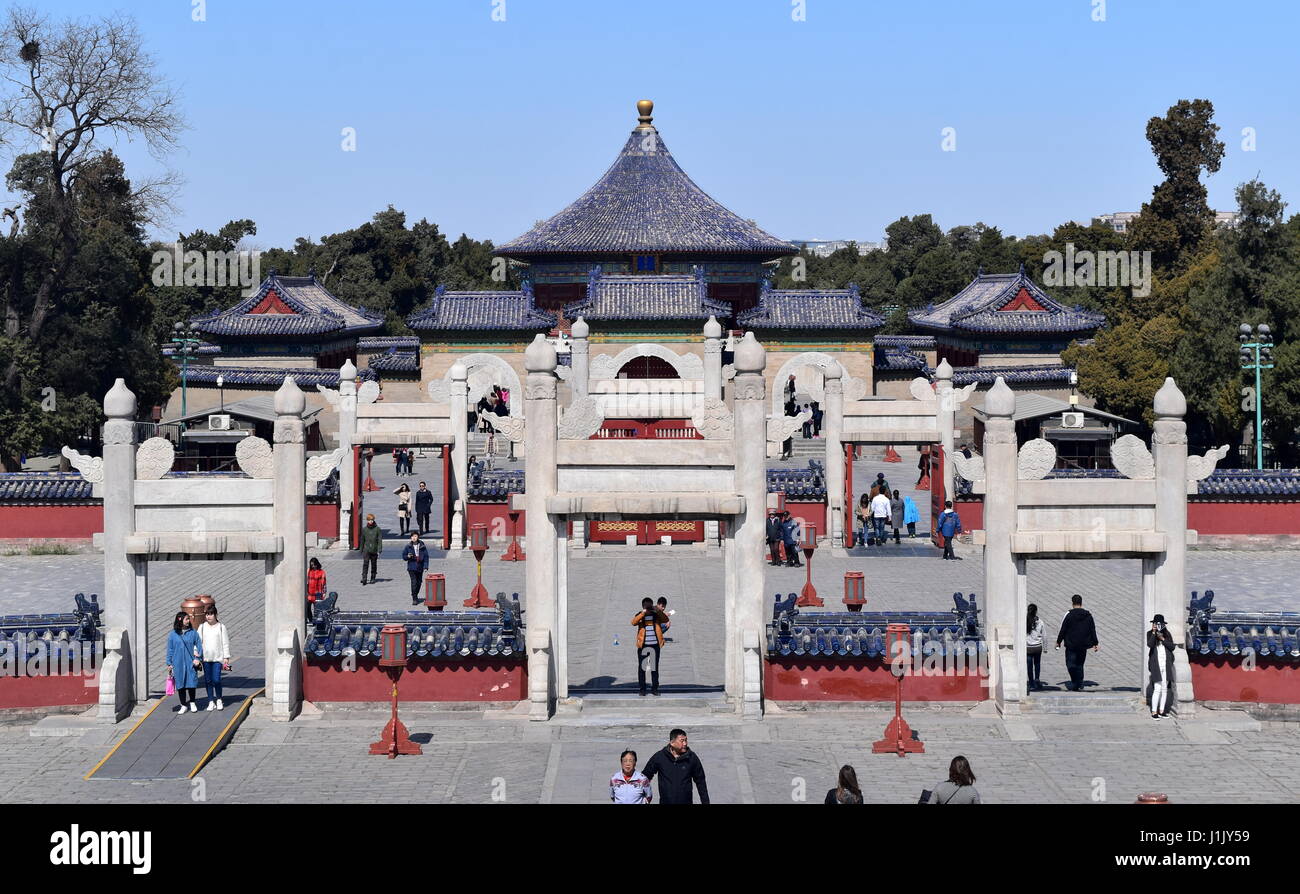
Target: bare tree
64, 86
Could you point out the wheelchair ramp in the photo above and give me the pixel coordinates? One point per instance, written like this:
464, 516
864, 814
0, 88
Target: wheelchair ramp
167, 745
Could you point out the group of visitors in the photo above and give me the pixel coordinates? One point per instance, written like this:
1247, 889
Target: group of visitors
423, 506
403, 461
783, 532
958, 788
494, 403
879, 508
677, 768
193, 653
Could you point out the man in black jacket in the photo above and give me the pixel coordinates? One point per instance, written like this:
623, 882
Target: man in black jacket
774, 537
1079, 633
423, 507
677, 765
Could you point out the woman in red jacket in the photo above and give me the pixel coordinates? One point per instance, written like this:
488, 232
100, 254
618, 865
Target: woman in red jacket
315, 584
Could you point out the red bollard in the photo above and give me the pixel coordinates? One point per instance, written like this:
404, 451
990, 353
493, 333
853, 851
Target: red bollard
855, 590
898, 735
478, 544
891, 455
395, 739
808, 596
435, 592
514, 552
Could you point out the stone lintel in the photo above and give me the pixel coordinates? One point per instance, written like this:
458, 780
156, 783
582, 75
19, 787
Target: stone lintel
658, 504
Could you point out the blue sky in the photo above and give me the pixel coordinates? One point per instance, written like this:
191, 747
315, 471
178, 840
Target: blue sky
826, 128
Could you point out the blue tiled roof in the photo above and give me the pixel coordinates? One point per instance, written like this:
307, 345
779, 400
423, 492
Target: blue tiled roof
315, 312
495, 485
481, 310
1014, 375
203, 348
810, 309
1211, 631
82, 624
975, 309
395, 361
899, 358
447, 635
267, 376
799, 485
384, 342
1250, 482
862, 634
646, 203
42, 487
911, 342
622, 296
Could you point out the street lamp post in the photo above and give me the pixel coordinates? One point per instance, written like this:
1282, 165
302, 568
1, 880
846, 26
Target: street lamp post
186, 342
1257, 354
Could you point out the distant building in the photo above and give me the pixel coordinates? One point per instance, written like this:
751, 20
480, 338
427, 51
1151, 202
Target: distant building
824, 248
1120, 221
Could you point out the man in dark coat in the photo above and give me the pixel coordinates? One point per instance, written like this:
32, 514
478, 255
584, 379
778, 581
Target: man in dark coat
423, 508
1079, 633
774, 537
790, 535
416, 555
677, 766
372, 544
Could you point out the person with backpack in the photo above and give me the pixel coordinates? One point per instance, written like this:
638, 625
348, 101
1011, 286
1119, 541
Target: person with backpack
1079, 633
416, 555
958, 788
949, 526
649, 624
847, 792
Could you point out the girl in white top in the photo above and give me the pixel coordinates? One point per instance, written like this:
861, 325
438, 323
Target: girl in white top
216, 656
1034, 646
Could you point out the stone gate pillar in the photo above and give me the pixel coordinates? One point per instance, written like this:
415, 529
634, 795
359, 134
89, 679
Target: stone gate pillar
285, 613
832, 430
947, 422
543, 531
347, 432
458, 485
579, 359
1168, 596
1003, 628
745, 635
124, 675
713, 359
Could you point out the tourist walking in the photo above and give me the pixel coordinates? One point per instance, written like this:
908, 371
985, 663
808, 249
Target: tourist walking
416, 555
1079, 634
403, 492
949, 526
790, 539
423, 508
911, 515
896, 512
649, 624
677, 767
1034, 631
847, 791
959, 787
372, 544
774, 537
315, 584
629, 785
184, 658
215, 645
880, 513
817, 416
880, 486
1160, 662
863, 512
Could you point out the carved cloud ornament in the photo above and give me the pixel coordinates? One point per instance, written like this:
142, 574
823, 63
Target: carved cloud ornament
1131, 457
153, 459
319, 467
971, 469
854, 388
920, 389
510, 427
713, 420
581, 420
254, 456
1036, 459
779, 428
1200, 467
367, 392
90, 467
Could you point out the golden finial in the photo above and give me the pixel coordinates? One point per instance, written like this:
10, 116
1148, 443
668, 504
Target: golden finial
643, 109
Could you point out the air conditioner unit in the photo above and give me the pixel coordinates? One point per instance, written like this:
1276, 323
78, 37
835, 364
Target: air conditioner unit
1071, 420
219, 422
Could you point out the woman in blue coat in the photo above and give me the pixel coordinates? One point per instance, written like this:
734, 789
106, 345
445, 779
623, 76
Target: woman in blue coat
911, 515
184, 655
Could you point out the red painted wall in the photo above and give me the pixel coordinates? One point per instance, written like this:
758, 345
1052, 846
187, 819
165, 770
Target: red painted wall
47, 691
1243, 518
424, 680
323, 519
497, 519
1221, 678
862, 679
51, 521
971, 514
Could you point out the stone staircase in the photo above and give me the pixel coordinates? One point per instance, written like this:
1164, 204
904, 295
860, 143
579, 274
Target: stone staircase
627, 708
1082, 703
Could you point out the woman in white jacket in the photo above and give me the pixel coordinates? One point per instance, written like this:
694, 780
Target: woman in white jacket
216, 655
1034, 646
